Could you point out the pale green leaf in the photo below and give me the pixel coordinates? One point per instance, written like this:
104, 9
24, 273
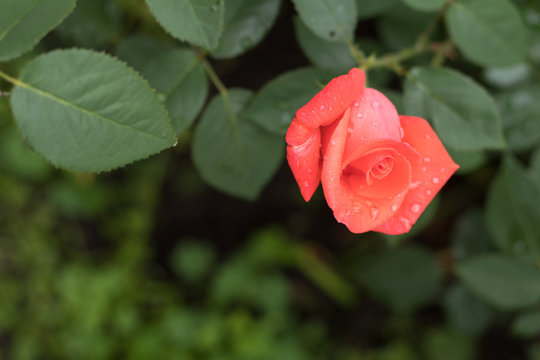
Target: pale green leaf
463, 113
274, 106
488, 32
196, 21
246, 23
173, 71
86, 111
508, 283
333, 20
24, 22
231, 152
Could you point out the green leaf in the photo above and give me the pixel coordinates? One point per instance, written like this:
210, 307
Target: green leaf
442, 344
508, 76
520, 110
527, 324
503, 224
331, 55
174, 72
231, 152
468, 161
24, 22
488, 32
92, 24
400, 26
425, 5
246, 23
371, 8
196, 21
274, 106
465, 312
333, 20
404, 278
508, 283
470, 236
463, 113
86, 111
524, 202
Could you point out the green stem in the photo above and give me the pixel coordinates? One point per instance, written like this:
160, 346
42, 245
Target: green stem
225, 96
9, 79
394, 60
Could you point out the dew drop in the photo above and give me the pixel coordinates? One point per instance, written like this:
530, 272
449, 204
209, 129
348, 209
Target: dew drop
175, 143
435, 180
443, 169
309, 170
356, 104
369, 203
427, 160
428, 192
415, 208
376, 104
394, 208
424, 169
375, 123
428, 136
359, 115
374, 212
333, 142
321, 107
305, 183
350, 130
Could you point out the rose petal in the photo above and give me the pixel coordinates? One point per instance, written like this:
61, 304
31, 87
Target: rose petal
358, 213
304, 137
427, 179
303, 156
332, 101
373, 117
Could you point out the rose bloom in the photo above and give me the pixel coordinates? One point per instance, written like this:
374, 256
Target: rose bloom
378, 170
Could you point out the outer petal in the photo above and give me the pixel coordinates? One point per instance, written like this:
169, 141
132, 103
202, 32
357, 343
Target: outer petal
427, 179
303, 156
330, 103
359, 213
304, 136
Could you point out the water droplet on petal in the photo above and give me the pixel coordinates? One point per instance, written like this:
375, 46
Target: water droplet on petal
375, 104
424, 169
426, 159
369, 203
356, 104
321, 107
428, 136
359, 115
375, 123
415, 208
374, 212
435, 180
333, 142
443, 169
428, 192
394, 208
305, 183
310, 170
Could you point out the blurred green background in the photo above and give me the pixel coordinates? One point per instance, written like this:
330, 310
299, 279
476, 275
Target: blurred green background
148, 262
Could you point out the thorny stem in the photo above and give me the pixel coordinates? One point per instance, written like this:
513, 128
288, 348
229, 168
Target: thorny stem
422, 45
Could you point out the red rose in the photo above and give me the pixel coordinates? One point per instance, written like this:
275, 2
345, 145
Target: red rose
379, 170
